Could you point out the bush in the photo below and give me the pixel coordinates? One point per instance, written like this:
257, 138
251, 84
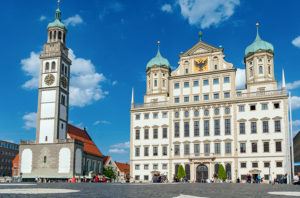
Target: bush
109, 172
181, 172
222, 173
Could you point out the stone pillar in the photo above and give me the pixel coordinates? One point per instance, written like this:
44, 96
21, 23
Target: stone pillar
192, 169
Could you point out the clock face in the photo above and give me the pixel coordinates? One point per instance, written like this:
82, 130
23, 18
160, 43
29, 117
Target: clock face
64, 82
49, 79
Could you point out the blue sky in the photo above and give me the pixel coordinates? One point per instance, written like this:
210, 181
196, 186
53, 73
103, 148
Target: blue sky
112, 41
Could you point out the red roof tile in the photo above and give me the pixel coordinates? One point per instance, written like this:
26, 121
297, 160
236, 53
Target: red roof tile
123, 167
105, 159
82, 135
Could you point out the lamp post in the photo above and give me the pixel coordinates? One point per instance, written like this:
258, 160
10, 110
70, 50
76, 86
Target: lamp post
270, 180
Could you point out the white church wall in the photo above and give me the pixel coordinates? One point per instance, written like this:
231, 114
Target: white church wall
46, 129
47, 110
48, 96
64, 160
26, 163
78, 161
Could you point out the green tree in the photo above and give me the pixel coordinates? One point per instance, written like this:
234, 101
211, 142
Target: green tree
181, 172
109, 172
222, 173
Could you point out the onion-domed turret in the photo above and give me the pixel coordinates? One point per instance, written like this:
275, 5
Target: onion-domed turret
158, 60
259, 45
57, 22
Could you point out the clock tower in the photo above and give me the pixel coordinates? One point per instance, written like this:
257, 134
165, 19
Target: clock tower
53, 96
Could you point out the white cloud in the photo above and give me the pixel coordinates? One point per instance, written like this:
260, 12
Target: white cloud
113, 7
73, 20
293, 85
167, 8
98, 122
204, 13
240, 78
29, 120
120, 148
114, 83
295, 100
42, 18
85, 82
296, 41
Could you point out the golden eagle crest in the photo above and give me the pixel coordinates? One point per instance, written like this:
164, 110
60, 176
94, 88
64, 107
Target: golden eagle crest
200, 64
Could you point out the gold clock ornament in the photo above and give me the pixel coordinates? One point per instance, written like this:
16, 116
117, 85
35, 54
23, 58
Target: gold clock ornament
64, 82
49, 79
200, 64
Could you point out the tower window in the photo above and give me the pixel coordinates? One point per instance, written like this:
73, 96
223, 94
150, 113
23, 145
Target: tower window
155, 83
50, 35
47, 67
53, 66
164, 83
63, 99
66, 71
251, 71
269, 69
186, 70
46, 138
261, 70
45, 159
64, 38
59, 35
54, 37
216, 67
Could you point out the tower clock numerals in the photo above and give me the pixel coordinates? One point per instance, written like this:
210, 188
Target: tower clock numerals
49, 79
64, 82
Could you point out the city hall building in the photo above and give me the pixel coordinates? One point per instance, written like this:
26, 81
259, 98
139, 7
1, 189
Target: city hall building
60, 151
195, 117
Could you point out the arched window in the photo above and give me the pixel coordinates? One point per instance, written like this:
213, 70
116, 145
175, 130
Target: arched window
155, 83
261, 70
47, 67
228, 171
50, 35
54, 37
59, 35
53, 66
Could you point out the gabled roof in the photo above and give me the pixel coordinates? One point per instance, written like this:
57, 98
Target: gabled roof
200, 48
15, 161
125, 168
83, 136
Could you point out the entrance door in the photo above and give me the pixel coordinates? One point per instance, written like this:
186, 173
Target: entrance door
201, 173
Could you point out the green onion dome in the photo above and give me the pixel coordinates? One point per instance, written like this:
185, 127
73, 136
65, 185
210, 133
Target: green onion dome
57, 22
158, 61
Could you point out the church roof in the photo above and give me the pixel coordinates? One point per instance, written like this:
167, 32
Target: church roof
83, 136
123, 167
258, 45
57, 21
158, 61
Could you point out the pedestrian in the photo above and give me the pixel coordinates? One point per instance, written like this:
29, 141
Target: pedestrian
258, 179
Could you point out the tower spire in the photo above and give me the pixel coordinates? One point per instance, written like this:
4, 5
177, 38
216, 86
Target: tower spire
283, 80
257, 32
132, 97
200, 34
158, 47
58, 4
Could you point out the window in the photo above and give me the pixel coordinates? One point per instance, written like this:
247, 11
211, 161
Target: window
53, 66
206, 149
137, 134
265, 126
186, 114
176, 129
186, 70
251, 71
155, 83
227, 126
63, 99
197, 149
186, 99
45, 159
164, 166
165, 133
196, 98
137, 151
252, 107
205, 97
196, 128
216, 96
165, 114
266, 164
228, 148
266, 177
47, 67
146, 177
176, 86
241, 108
146, 116
155, 150
254, 147
205, 82
186, 84
217, 126
264, 106
155, 166
243, 165
216, 81
227, 110
278, 146
206, 127
196, 113
155, 115
164, 83
277, 126
254, 165
226, 94
216, 111
206, 112
261, 70
146, 151
176, 114
243, 147
137, 116
269, 70
217, 148
137, 177
155, 133
227, 79
276, 105
196, 83
146, 134
186, 149
186, 129
164, 150
253, 127
278, 164
177, 150
266, 147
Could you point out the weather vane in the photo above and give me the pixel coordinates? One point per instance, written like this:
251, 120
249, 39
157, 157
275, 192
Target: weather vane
158, 44
200, 34
58, 2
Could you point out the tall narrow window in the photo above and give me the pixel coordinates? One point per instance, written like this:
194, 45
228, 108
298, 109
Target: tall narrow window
227, 126
217, 126
137, 134
261, 70
53, 66
146, 134
206, 149
186, 129
45, 159
217, 148
265, 126
47, 67
176, 129
165, 133
277, 126
155, 83
59, 35
254, 147
197, 149
186, 149
253, 127
206, 127
196, 128
228, 148
155, 133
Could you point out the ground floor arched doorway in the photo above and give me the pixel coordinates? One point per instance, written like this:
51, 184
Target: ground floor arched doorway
201, 173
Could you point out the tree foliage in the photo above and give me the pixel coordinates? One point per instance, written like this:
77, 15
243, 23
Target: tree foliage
222, 173
109, 172
181, 172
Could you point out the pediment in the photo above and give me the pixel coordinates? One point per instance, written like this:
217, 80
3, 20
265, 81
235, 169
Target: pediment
201, 48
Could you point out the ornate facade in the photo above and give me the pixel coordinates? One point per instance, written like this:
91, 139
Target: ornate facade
196, 117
